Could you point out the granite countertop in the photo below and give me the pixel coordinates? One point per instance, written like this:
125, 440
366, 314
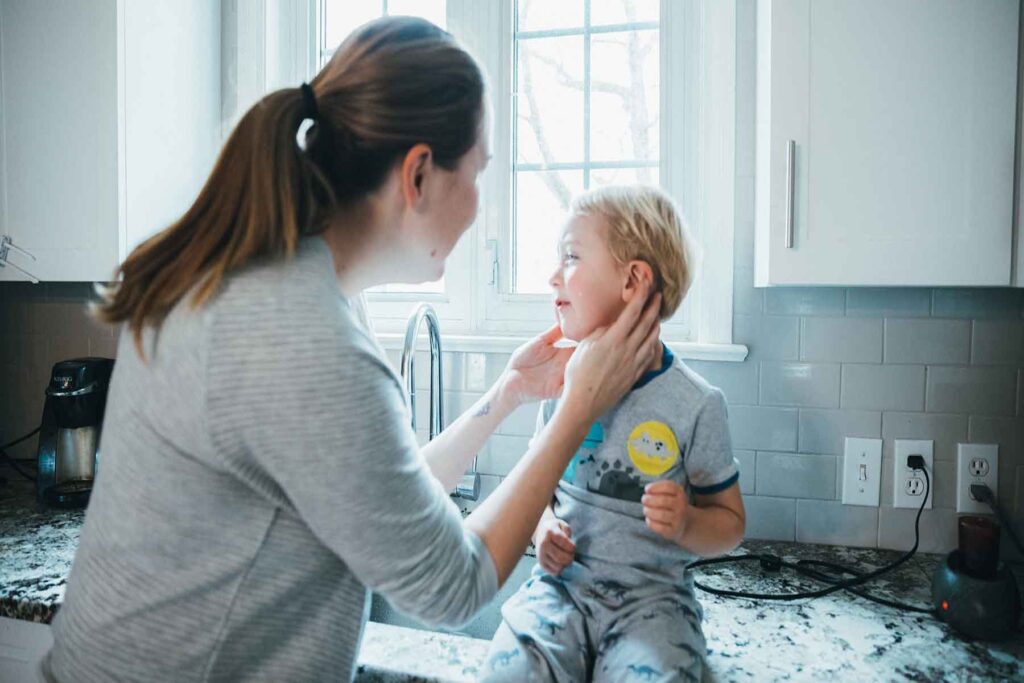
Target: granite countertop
836, 637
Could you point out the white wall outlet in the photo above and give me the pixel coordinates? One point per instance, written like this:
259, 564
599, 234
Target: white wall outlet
976, 463
862, 471
908, 483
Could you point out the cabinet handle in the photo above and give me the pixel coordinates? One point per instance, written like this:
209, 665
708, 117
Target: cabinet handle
790, 173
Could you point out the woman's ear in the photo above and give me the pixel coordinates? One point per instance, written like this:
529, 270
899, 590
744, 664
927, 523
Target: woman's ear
637, 272
416, 165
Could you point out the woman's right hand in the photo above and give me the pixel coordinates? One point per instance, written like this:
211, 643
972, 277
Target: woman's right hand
555, 549
609, 362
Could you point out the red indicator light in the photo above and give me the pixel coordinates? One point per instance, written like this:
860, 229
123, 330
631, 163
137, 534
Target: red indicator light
945, 606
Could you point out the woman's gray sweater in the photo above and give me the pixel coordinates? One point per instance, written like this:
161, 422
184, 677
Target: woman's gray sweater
257, 474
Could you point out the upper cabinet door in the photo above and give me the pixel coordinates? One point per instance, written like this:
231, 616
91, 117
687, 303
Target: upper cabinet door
885, 142
58, 111
110, 123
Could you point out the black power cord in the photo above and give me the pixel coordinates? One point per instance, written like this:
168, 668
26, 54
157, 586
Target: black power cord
12, 461
773, 563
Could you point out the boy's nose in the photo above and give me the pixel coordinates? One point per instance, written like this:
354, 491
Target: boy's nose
556, 277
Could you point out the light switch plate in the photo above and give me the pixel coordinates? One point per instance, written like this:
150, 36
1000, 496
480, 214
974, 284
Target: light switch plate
909, 484
976, 463
862, 471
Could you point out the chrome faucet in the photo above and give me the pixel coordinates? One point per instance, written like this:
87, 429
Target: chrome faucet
469, 486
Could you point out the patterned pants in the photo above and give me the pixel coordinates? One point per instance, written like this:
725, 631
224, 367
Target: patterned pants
556, 630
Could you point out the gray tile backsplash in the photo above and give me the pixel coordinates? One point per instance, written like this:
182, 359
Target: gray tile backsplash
824, 363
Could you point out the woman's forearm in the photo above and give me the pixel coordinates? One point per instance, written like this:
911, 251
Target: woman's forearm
450, 452
507, 518
712, 530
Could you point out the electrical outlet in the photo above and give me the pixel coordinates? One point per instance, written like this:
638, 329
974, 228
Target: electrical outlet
908, 483
976, 463
862, 471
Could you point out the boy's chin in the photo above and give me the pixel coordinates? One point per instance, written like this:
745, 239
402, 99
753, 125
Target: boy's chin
572, 330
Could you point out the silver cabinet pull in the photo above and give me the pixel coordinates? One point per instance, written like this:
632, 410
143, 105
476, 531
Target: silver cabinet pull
790, 174
6, 244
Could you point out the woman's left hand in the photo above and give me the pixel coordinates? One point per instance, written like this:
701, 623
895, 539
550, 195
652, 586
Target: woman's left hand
665, 507
536, 370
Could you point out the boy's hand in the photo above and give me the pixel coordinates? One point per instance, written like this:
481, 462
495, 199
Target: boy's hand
555, 549
665, 508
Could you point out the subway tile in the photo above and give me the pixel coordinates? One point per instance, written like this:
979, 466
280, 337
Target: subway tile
976, 390
65, 348
488, 484
927, 341
884, 302
805, 301
103, 346
883, 387
13, 317
937, 529
747, 462
746, 299
768, 337
770, 519
943, 482
756, 427
1020, 392
502, 453
832, 523
1018, 507
812, 385
998, 342
476, 372
738, 381
825, 431
976, 303
841, 340
522, 421
789, 475
1008, 433
945, 430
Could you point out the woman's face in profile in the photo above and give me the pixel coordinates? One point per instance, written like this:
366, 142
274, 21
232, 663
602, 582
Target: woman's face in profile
453, 199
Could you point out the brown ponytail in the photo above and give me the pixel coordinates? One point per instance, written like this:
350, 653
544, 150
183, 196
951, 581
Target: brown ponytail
394, 83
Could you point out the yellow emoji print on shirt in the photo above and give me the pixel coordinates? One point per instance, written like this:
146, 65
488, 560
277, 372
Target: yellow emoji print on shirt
653, 448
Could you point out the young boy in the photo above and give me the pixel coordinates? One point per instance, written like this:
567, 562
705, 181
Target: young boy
653, 486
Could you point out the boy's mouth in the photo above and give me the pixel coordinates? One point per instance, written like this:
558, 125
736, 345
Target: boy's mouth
560, 304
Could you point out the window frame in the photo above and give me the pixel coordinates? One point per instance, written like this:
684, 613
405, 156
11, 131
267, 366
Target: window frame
697, 159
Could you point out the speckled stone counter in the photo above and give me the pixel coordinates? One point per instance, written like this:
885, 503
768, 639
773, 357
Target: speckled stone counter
837, 637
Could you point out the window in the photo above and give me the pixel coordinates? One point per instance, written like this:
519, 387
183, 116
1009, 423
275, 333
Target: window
579, 97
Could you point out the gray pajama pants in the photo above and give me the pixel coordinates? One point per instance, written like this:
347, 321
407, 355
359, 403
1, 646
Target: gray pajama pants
624, 610
554, 629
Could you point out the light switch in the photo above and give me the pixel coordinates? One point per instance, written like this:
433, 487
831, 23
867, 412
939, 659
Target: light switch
862, 471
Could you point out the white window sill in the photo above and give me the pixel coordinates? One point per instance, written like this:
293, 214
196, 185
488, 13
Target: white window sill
465, 343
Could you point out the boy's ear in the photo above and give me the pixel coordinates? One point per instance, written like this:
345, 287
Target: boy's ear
637, 272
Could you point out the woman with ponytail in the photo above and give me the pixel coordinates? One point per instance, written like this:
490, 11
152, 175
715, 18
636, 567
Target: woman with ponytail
258, 472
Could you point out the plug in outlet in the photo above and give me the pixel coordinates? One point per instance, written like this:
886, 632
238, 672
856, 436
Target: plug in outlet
976, 463
862, 471
908, 483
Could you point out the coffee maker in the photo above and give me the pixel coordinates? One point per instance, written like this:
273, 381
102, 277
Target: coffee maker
69, 435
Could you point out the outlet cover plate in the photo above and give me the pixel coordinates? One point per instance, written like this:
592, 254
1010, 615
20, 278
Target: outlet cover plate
976, 463
862, 471
907, 481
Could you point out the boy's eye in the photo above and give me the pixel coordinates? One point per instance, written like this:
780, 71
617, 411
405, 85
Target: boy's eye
570, 257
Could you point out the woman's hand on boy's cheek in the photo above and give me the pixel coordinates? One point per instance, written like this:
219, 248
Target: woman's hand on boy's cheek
665, 508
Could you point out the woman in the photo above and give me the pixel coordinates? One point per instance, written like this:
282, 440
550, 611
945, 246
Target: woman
258, 469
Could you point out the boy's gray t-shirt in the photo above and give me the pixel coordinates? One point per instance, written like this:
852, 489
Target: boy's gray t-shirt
672, 425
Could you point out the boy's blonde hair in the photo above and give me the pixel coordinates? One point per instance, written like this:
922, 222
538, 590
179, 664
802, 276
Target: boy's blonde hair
644, 224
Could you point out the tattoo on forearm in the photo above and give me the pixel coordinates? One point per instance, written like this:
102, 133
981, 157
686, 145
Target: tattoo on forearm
484, 409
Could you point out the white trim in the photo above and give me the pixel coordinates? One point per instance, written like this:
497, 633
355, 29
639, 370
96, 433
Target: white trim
461, 343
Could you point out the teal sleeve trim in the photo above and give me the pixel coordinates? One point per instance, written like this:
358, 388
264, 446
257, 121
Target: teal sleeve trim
715, 488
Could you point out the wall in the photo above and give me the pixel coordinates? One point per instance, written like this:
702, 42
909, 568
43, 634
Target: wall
940, 364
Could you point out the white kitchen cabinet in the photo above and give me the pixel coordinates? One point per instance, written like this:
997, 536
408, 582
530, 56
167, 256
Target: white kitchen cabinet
885, 142
111, 123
